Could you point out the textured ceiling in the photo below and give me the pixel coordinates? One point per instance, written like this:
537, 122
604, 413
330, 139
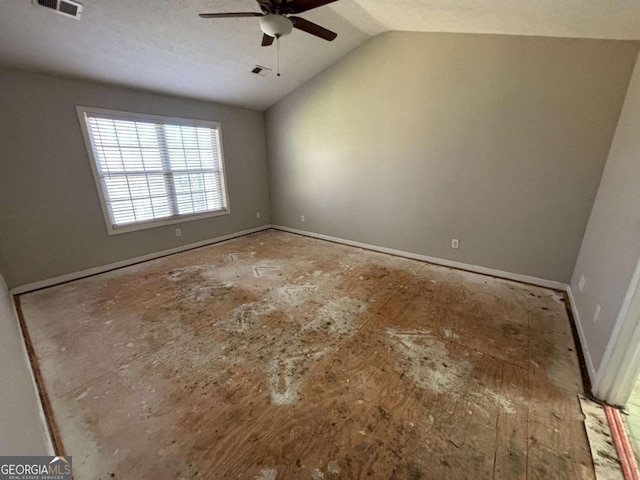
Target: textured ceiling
162, 45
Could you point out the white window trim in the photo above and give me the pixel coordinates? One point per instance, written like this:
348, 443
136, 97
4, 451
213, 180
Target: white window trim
115, 230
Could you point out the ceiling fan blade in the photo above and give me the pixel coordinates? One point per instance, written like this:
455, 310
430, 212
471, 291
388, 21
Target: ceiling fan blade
230, 15
312, 28
267, 40
299, 6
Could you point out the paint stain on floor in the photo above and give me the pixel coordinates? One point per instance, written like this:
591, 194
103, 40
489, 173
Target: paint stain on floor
279, 356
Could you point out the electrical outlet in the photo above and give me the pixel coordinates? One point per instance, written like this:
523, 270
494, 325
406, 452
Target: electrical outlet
178, 232
257, 214
302, 219
581, 283
596, 314
455, 243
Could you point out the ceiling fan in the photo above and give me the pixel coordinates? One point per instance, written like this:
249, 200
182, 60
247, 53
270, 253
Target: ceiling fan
276, 20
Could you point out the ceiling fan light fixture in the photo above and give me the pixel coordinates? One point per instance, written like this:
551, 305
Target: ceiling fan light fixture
276, 25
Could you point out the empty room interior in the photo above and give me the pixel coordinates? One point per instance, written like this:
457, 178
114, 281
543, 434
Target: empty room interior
320, 239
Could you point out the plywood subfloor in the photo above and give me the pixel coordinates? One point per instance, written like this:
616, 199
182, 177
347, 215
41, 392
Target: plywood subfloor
280, 356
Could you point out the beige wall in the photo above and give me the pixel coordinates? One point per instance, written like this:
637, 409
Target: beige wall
417, 138
22, 428
611, 247
50, 218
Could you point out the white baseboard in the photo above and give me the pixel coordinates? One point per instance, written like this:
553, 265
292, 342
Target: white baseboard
583, 339
131, 261
438, 261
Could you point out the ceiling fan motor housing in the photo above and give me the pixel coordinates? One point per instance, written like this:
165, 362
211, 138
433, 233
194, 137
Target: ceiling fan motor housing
276, 25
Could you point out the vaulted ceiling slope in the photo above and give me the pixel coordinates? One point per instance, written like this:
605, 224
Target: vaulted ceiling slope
162, 45
605, 19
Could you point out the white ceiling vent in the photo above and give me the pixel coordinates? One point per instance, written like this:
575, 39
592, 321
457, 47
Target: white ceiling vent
68, 8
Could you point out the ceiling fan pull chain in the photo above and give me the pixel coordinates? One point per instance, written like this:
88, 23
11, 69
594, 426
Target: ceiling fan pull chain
278, 53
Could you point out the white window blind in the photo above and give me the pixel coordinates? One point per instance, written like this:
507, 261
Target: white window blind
155, 169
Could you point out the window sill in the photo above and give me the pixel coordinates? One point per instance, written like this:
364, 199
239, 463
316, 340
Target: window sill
163, 222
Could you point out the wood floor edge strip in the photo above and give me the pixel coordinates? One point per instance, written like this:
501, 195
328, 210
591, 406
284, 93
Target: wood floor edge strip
53, 431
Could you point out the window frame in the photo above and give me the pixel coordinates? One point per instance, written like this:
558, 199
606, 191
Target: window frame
85, 112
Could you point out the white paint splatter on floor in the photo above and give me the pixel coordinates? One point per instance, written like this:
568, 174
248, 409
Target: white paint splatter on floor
333, 468
337, 316
428, 362
449, 334
267, 474
285, 379
505, 404
248, 316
